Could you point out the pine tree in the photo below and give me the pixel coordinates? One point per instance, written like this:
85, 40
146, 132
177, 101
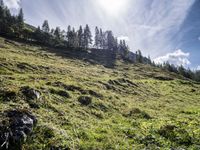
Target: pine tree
115, 46
69, 36
57, 33
80, 37
74, 38
52, 31
38, 34
139, 57
45, 26
97, 38
101, 38
87, 37
20, 16
110, 40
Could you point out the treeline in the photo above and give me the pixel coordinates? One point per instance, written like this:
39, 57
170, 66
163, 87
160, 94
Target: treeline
81, 38
187, 73
13, 26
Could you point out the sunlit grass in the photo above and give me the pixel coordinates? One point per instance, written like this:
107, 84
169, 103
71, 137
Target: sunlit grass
104, 124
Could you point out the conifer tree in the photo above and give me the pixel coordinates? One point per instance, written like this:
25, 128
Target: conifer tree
20, 16
57, 33
80, 37
101, 38
110, 40
139, 57
97, 38
45, 26
87, 37
70, 36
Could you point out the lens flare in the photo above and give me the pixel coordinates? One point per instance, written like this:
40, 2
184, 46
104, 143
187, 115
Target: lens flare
113, 7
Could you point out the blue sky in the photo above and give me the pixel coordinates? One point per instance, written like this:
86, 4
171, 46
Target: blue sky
167, 30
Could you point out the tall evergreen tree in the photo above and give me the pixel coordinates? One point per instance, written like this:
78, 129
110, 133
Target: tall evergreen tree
110, 40
97, 38
139, 57
20, 16
101, 38
80, 37
70, 36
87, 37
74, 37
45, 26
57, 33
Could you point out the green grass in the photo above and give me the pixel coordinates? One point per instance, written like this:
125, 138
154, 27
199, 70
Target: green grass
136, 113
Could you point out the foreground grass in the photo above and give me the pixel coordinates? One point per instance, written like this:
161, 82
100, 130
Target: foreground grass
131, 107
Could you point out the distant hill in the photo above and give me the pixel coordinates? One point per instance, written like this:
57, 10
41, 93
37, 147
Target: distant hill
71, 99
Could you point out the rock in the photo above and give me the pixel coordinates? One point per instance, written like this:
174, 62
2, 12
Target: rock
14, 132
85, 100
30, 93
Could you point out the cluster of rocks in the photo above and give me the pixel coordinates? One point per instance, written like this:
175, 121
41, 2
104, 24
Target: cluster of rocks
15, 128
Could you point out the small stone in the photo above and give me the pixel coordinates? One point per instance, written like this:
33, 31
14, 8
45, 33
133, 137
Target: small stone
30, 93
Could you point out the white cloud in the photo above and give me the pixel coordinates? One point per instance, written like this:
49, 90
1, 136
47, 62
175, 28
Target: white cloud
126, 38
198, 68
12, 4
177, 58
199, 38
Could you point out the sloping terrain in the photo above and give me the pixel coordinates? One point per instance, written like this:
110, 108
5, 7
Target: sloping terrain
83, 104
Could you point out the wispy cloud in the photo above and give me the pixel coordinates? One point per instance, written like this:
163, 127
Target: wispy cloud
199, 38
177, 58
13, 4
151, 26
155, 25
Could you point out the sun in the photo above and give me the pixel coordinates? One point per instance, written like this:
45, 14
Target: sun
113, 7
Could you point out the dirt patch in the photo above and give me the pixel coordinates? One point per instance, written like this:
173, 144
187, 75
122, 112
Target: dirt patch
74, 88
85, 100
163, 78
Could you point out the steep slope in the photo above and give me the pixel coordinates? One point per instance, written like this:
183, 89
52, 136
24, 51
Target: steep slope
82, 104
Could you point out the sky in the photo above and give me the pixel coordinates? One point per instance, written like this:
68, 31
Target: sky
167, 30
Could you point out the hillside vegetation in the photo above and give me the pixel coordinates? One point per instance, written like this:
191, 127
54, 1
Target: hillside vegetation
83, 103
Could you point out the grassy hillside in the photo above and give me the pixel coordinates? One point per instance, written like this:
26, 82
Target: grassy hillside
84, 104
